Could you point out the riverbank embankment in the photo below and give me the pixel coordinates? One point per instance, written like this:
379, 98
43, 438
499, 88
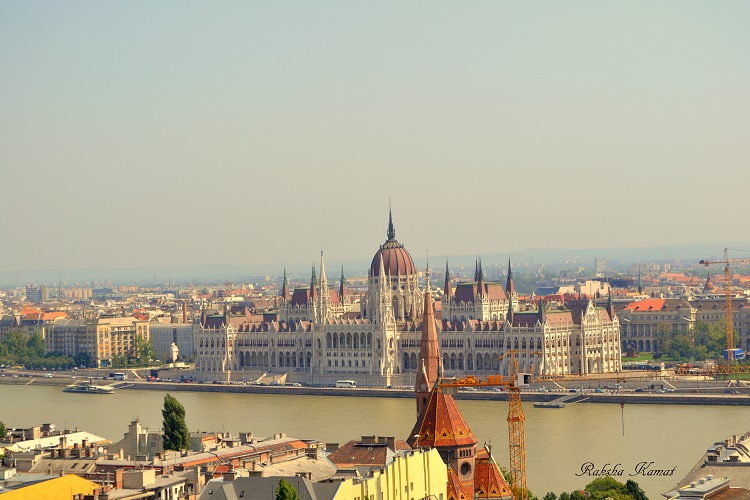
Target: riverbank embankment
710, 395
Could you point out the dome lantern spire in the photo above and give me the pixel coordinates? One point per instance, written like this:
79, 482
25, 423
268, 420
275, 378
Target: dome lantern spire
391, 231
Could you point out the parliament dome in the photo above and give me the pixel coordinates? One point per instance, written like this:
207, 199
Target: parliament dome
396, 260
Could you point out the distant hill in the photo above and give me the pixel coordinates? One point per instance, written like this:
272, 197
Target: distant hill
687, 253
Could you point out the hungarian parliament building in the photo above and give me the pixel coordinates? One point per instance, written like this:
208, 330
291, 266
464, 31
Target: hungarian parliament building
324, 333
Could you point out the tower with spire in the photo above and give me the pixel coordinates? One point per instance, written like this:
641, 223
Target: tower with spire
284, 289
447, 288
429, 355
342, 287
510, 287
324, 302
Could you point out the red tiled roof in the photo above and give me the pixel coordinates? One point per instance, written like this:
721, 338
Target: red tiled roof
301, 296
356, 453
441, 424
646, 305
466, 292
488, 480
455, 490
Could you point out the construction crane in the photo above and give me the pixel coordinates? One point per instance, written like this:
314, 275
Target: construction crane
516, 417
728, 295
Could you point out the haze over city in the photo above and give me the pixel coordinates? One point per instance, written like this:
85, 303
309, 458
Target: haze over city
186, 133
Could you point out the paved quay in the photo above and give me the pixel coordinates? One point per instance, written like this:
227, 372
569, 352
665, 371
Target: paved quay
704, 396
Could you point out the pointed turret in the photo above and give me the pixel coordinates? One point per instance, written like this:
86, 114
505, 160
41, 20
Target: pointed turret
342, 286
640, 285
285, 288
428, 364
313, 284
510, 286
391, 231
325, 297
610, 307
447, 288
385, 306
480, 281
541, 313
476, 269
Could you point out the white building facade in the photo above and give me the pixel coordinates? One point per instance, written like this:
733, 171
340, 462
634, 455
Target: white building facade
320, 337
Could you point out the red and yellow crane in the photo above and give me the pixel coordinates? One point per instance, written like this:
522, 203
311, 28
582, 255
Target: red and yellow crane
516, 418
728, 296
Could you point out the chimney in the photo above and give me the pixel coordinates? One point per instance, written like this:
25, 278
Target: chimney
230, 475
118, 479
390, 441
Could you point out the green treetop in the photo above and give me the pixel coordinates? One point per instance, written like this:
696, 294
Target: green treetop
176, 436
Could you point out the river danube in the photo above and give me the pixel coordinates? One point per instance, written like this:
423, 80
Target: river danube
558, 441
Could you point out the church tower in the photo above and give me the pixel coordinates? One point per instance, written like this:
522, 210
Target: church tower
428, 368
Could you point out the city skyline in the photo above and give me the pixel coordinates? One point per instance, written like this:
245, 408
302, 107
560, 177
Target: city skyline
182, 134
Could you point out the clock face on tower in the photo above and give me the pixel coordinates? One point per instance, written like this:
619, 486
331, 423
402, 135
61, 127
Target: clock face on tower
423, 386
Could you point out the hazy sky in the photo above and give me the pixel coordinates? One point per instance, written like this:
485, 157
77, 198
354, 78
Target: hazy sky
189, 133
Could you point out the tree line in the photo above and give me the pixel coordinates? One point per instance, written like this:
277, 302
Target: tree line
19, 349
704, 341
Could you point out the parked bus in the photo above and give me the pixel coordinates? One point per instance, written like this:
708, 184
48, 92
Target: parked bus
346, 383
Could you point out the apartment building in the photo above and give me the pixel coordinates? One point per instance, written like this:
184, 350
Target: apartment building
102, 339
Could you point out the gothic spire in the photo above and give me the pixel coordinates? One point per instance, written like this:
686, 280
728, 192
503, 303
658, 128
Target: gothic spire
313, 284
480, 280
342, 286
447, 289
510, 286
541, 310
285, 288
610, 307
429, 355
391, 231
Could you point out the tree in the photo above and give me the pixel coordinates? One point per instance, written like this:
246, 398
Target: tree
549, 496
285, 491
176, 435
635, 491
144, 350
3, 430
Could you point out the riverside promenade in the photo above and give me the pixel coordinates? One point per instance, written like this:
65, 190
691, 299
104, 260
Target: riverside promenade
701, 393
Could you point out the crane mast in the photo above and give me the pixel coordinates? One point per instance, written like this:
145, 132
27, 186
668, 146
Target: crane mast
516, 418
517, 441
728, 298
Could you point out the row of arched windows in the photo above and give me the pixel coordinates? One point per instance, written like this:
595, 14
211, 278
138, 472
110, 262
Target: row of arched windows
348, 341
